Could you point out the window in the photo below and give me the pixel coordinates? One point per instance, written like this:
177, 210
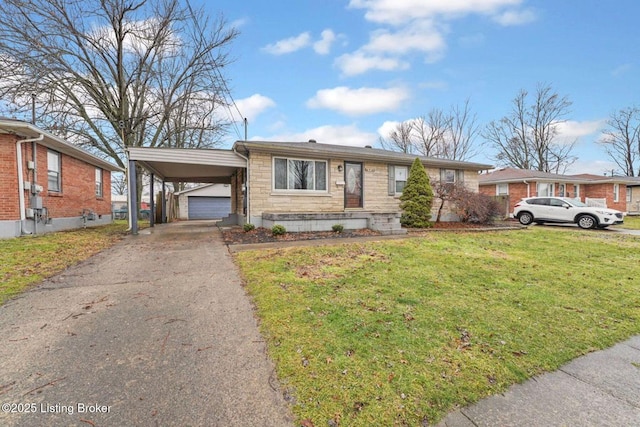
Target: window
629, 192
545, 189
98, 182
299, 174
53, 171
401, 173
561, 191
502, 189
616, 192
450, 176
576, 193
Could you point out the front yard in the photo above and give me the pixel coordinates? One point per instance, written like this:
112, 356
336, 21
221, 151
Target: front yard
401, 332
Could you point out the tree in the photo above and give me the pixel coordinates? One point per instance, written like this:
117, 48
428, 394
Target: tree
448, 192
416, 198
112, 74
399, 139
621, 140
527, 138
447, 135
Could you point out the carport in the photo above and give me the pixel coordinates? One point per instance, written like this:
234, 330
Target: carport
180, 165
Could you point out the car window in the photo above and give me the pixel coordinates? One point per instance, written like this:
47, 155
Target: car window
539, 201
557, 203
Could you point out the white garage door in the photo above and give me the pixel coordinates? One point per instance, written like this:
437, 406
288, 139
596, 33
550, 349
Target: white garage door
209, 207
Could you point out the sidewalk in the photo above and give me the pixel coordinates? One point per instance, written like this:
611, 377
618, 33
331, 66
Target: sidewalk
599, 389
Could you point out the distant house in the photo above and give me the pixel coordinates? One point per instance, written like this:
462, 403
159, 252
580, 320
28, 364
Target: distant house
515, 184
209, 201
306, 186
48, 184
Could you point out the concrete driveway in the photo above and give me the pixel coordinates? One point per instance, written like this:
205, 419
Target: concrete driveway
154, 331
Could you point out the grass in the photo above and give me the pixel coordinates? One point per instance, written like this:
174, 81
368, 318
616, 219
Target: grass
28, 260
401, 332
631, 222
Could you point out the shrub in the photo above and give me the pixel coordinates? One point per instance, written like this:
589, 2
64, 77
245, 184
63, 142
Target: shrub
278, 230
248, 227
477, 208
417, 198
338, 228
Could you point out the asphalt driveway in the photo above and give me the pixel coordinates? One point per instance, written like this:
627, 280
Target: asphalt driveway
156, 330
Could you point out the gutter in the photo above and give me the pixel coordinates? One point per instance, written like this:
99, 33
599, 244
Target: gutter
22, 207
246, 188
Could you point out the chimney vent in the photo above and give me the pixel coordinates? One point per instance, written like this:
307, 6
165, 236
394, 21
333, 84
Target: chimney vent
368, 146
312, 141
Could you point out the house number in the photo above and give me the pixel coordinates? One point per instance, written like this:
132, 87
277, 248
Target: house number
369, 170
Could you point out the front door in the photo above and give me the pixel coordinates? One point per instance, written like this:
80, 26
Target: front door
353, 185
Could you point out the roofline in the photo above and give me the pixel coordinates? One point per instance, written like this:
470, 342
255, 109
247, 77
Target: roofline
20, 128
568, 179
362, 153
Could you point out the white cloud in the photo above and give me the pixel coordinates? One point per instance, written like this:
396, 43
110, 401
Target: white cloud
515, 17
360, 101
395, 12
341, 135
352, 64
254, 105
570, 130
597, 167
421, 36
387, 127
323, 46
288, 45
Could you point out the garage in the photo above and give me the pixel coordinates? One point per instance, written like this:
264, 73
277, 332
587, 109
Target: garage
208, 207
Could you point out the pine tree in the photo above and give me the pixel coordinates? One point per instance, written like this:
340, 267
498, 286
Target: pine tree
416, 198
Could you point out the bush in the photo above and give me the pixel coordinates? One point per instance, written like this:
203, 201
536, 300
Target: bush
278, 230
477, 208
338, 228
417, 198
248, 227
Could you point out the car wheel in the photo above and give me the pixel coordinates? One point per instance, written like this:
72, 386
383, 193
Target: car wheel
525, 218
587, 221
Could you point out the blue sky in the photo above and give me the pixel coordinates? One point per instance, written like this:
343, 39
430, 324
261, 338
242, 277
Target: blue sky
344, 71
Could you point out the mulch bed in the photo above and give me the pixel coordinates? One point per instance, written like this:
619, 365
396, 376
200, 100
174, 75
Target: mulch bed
237, 236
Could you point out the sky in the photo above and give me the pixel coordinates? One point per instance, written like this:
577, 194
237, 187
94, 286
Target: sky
345, 71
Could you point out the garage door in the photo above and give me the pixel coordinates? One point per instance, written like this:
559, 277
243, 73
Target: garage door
209, 207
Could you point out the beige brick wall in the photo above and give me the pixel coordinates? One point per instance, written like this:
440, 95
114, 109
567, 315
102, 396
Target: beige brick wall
375, 184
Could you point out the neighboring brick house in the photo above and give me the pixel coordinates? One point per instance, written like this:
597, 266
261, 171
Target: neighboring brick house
307, 186
61, 187
516, 184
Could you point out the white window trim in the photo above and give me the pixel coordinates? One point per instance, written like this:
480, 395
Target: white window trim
58, 172
395, 180
616, 193
498, 190
99, 183
294, 191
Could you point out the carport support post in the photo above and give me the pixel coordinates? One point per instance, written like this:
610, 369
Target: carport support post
133, 197
152, 202
164, 204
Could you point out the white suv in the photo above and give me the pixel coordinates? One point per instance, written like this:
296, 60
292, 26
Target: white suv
559, 209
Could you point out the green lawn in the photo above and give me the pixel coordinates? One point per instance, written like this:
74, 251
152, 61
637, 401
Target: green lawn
401, 332
28, 260
631, 222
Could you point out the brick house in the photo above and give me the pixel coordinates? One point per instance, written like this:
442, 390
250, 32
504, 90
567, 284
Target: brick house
48, 184
516, 184
306, 186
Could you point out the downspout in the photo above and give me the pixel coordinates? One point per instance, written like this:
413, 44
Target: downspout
246, 188
524, 181
22, 206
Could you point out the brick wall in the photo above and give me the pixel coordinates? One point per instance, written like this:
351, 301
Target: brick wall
605, 191
375, 185
77, 183
9, 199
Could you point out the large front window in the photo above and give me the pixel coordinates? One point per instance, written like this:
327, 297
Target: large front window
545, 189
299, 174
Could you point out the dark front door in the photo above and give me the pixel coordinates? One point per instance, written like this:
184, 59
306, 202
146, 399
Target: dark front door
353, 185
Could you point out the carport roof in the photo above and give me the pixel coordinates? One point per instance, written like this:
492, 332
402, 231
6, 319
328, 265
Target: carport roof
188, 165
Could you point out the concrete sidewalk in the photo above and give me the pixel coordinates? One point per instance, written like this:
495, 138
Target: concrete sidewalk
155, 331
598, 389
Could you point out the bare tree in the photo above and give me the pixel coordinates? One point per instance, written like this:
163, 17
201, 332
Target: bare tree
429, 132
400, 138
527, 137
461, 132
112, 74
621, 140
